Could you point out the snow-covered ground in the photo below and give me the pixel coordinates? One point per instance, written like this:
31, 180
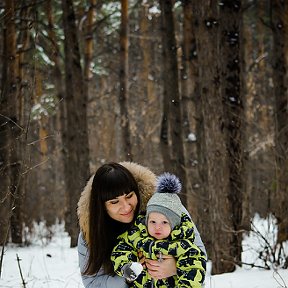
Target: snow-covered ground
55, 265
52, 265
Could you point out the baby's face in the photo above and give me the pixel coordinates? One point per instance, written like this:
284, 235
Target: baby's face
158, 226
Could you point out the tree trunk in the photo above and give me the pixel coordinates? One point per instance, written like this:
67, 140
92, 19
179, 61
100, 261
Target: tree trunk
76, 139
197, 197
60, 120
123, 94
23, 113
279, 22
12, 168
260, 125
91, 18
172, 103
231, 83
5, 135
219, 69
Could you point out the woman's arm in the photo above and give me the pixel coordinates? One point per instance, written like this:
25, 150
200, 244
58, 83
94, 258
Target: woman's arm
99, 280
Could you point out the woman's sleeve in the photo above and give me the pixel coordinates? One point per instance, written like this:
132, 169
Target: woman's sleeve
99, 280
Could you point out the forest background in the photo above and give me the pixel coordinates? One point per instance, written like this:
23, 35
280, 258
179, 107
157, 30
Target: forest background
196, 88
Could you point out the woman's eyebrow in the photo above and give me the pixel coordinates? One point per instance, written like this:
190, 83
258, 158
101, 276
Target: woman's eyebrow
120, 196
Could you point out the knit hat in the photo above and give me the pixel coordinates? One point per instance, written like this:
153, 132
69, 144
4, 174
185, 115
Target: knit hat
165, 200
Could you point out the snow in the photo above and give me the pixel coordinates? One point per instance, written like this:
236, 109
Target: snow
252, 278
191, 137
52, 264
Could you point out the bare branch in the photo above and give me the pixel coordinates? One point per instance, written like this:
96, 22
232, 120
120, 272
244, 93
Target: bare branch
9, 119
283, 284
3, 248
18, 261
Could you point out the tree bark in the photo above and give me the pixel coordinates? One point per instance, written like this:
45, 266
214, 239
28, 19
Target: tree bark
12, 129
76, 143
219, 62
172, 111
91, 18
232, 95
279, 25
197, 197
123, 94
5, 135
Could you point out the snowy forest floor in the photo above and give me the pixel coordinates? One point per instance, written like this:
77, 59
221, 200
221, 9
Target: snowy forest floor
52, 264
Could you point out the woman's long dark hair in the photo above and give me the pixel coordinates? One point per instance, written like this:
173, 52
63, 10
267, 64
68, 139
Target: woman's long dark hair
110, 181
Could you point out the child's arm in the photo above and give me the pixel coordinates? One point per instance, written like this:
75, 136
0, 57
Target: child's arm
126, 262
123, 254
191, 265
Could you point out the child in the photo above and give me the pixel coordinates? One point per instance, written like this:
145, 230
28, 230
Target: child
164, 230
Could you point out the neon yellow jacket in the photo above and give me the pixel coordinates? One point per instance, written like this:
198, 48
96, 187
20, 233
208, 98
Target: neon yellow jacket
190, 260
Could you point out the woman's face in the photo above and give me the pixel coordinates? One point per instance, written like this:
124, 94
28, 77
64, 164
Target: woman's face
122, 208
158, 226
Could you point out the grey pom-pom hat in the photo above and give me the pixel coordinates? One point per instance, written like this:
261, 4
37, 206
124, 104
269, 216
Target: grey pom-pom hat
165, 200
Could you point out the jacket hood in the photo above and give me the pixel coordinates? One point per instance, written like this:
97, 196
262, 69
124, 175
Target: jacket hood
145, 179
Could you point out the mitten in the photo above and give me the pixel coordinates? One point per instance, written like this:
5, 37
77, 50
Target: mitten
132, 270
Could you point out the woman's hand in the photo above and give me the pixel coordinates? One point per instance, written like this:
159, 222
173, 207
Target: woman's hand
141, 258
161, 269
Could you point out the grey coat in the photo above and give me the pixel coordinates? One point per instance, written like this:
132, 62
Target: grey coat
99, 280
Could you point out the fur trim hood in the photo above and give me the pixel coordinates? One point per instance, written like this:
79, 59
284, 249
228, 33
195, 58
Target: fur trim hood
145, 178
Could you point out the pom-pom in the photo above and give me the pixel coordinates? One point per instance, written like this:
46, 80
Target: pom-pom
168, 183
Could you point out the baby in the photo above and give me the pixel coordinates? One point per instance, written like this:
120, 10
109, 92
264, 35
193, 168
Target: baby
164, 230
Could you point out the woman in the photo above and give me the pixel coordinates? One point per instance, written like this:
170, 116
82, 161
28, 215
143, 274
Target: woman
107, 207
